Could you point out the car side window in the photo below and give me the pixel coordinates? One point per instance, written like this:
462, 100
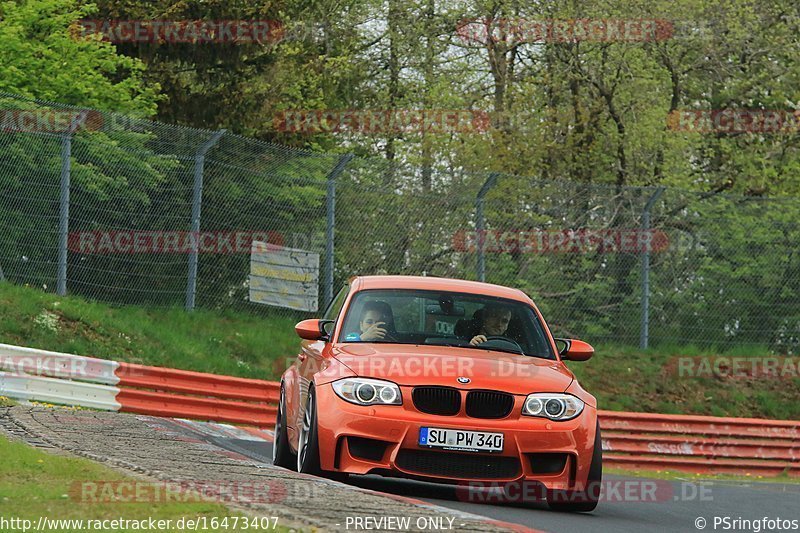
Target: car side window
336, 305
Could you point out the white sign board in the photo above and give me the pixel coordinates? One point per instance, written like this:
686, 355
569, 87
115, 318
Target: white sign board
284, 277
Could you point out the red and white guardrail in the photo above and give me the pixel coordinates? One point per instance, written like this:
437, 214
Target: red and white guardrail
701, 444
66, 379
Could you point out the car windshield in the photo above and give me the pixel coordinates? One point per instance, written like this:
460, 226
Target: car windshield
445, 319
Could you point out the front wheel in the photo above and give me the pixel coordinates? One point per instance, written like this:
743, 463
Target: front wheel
308, 440
281, 452
586, 500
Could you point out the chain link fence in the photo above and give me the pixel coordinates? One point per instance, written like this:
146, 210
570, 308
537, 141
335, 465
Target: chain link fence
131, 211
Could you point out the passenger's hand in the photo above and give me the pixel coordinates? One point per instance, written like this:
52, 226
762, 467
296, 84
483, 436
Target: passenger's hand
376, 332
478, 339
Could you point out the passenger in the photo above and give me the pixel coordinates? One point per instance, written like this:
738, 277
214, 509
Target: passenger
376, 324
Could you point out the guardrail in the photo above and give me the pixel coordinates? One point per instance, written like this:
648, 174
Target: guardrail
701, 444
698, 444
66, 379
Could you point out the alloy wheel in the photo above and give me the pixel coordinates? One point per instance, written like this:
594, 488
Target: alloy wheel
278, 426
305, 430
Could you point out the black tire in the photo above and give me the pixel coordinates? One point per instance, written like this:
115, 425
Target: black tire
586, 500
308, 439
281, 451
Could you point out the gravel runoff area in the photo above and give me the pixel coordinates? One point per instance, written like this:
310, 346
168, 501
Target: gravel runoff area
151, 450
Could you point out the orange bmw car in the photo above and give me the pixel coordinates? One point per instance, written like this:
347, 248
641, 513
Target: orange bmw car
440, 380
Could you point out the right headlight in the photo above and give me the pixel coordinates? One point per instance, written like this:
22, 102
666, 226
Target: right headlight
553, 406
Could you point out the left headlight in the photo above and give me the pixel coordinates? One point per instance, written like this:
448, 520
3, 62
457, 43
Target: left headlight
362, 391
553, 406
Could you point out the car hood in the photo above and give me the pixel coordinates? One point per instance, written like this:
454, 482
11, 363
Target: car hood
442, 365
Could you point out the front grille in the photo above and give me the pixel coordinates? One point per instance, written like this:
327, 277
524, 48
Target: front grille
458, 465
489, 404
437, 400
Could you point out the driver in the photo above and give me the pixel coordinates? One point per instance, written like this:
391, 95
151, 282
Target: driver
494, 323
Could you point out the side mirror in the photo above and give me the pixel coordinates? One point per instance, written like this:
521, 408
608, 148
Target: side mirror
574, 350
313, 329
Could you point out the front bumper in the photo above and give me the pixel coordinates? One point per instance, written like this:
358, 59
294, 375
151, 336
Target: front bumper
384, 440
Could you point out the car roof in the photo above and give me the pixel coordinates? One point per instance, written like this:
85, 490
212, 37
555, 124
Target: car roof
437, 284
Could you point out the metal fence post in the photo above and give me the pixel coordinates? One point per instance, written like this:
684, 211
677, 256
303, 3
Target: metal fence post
479, 225
644, 331
197, 204
330, 206
63, 209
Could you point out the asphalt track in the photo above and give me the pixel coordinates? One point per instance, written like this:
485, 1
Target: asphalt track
633, 504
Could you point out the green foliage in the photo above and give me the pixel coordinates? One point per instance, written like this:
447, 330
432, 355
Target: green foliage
42, 56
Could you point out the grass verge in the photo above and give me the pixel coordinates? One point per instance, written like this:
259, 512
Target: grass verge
36, 484
7, 402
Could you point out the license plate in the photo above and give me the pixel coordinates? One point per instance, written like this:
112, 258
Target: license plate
460, 439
